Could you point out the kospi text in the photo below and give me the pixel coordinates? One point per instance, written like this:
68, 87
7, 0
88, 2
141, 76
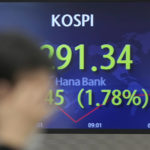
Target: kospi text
68, 20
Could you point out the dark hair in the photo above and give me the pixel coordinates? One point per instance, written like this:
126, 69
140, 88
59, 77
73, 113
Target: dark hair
19, 53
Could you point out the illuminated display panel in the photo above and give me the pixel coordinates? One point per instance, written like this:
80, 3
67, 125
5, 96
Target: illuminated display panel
102, 52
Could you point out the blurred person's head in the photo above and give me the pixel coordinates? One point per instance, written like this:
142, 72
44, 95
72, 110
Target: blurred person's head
24, 84
21, 59
21, 55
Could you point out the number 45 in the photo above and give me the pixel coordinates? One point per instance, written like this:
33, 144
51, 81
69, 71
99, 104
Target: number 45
126, 53
58, 95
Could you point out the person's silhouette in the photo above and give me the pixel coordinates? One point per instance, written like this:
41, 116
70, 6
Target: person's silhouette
24, 86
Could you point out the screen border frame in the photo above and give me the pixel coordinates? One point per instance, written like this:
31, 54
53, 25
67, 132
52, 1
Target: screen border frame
75, 1
95, 131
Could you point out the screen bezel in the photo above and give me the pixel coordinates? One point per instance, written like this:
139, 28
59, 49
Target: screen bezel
87, 131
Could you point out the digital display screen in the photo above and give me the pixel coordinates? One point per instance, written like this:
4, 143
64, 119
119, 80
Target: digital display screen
102, 53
